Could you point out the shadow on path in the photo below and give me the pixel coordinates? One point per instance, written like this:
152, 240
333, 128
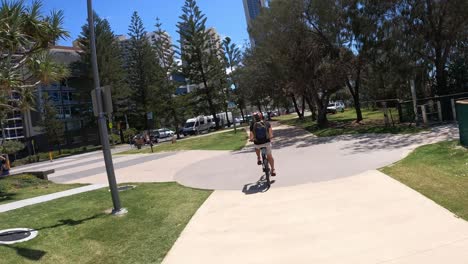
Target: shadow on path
260, 186
289, 136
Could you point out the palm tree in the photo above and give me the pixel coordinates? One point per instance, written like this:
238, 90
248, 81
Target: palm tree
25, 36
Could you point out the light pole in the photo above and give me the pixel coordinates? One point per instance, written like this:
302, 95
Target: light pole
117, 210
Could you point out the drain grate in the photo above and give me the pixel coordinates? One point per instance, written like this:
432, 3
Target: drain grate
16, 235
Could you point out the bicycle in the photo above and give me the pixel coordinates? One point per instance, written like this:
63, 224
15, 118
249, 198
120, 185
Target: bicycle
265, 165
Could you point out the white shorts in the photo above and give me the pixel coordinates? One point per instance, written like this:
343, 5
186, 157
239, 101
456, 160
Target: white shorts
266, 145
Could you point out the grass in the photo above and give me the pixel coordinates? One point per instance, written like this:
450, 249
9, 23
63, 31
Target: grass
344, 123
438, 171
78, 229
220, 141
19, 187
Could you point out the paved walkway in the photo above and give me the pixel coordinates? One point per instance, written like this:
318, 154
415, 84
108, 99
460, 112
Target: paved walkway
302, 158
367, 218
49, 197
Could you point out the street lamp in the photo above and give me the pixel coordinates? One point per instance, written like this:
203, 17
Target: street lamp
117, 210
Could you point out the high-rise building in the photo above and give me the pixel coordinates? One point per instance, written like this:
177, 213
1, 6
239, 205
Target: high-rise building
215, 38
252, 9
124, 43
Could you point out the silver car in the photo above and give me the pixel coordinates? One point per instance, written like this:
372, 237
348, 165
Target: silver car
165, 132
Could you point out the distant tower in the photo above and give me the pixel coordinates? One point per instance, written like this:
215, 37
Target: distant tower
252, 9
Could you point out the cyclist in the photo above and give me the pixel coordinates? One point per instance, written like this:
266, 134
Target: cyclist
261, 134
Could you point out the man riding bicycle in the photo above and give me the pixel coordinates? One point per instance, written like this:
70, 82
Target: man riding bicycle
261, 134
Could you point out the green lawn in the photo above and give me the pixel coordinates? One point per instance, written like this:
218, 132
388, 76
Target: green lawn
438, 171
220, 141
343, 123
77, 229
14, 188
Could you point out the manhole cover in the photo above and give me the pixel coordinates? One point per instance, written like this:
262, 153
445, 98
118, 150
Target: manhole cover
16, 235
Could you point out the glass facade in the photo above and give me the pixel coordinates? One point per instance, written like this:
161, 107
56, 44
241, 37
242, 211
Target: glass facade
254, 7
13, 123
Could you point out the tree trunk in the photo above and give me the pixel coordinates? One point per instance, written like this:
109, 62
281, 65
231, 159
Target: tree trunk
296, 107
322, 120
357, 106
440, 78
312, 109
242, 112
227, 118
355, 94
321, 104
122, 139
212, 109
259, 106
303, 106
176, 122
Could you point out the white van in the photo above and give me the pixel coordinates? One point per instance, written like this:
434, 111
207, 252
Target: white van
197, 125
223, 118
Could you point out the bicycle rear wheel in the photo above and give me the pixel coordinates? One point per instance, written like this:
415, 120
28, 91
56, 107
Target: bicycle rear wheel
266, 167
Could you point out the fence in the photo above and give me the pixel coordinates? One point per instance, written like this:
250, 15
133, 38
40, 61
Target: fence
429, 110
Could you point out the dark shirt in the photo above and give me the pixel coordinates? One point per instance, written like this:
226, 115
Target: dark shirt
268, 126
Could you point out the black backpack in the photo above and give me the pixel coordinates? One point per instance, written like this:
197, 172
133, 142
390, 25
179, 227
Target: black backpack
260, 132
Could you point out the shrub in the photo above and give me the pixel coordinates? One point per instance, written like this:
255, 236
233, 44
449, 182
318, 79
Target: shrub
114, 138
11, 146
19, 181
129, 133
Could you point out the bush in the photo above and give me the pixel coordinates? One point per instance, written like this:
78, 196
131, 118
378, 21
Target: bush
114, 138
43, 156
20, 181
4, 187
11, 146
129, 133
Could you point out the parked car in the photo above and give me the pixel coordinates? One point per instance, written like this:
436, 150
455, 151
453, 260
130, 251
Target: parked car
165, 133
335, 107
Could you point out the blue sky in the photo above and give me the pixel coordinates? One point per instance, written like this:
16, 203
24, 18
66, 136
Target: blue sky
227, 16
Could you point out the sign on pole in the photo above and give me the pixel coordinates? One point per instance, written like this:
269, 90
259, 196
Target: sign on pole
149, 115
106, 97
95, 103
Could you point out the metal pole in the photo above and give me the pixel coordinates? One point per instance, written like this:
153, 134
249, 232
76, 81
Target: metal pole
102, 119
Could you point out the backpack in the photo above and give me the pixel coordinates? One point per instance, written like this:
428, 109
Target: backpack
260, 132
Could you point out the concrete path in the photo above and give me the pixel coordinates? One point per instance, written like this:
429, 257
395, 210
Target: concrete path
49, 197
302, 158
364, 219
139, 168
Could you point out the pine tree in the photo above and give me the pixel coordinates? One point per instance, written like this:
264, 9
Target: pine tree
143, 70
110, 65
200, 60
170, 106
232, 57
